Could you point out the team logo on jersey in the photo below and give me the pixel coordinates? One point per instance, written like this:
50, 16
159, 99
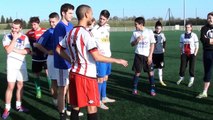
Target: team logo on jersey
209, 33
91, 101
158, 38
19, 43
144, 42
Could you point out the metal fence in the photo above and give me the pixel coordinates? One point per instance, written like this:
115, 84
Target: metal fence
165, 28
8, 31
126, 29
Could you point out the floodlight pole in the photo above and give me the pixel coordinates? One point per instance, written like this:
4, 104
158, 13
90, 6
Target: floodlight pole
184, 13
169, 10
123, 13
196, 15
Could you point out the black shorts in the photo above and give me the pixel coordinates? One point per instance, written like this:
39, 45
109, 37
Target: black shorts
140, 62
158, 60
38, 66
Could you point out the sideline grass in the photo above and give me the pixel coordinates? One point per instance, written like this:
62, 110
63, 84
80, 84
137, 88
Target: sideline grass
171, 103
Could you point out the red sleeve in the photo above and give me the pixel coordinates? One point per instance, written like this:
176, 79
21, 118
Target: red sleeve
93, 50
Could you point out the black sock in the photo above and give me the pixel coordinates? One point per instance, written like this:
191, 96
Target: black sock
74, 115
92, 116
62, 116
69, 107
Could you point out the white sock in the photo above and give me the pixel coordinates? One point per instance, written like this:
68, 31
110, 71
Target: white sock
192, 79
160, 74
181, 78
18, 104
8, 106
205, 91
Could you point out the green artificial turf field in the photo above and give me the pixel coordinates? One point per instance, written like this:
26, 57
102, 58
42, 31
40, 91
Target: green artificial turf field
172, 102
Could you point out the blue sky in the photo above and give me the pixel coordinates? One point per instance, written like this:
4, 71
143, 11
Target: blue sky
148, 8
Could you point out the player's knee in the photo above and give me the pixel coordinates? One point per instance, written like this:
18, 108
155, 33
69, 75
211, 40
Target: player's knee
20, 84
10, 87
137, 74
62, 90
91, 109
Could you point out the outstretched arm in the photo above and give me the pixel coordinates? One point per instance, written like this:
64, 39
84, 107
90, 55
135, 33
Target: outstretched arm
101, 58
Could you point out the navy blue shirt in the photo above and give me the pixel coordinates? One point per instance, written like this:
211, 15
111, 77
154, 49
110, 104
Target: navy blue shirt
46, 40
61, 30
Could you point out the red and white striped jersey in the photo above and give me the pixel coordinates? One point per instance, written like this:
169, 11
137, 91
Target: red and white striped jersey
81, 43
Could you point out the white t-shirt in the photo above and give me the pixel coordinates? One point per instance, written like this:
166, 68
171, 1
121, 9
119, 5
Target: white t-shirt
79, 42
15, 60
189, 43
101, 35
143, 46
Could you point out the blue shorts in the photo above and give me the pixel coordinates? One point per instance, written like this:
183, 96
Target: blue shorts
103, 69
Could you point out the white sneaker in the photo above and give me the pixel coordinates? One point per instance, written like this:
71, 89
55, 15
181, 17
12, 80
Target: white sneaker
80, 114
162, 83
108, 100
190, 83
179, 81
68, 112
104, 107
202, 95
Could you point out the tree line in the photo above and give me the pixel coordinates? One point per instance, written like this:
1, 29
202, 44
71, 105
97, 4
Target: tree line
115, 21
170, 22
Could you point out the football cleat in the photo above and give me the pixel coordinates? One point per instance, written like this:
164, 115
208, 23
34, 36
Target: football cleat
135, 92
108, 100
152, 92
202, 95
5, 114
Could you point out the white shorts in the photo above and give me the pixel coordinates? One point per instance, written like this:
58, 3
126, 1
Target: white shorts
62, 77
52, 71
14, 75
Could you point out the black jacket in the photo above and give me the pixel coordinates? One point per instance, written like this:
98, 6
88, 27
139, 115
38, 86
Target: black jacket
206, 34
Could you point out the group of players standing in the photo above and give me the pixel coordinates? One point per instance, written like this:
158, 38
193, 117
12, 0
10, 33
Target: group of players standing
78, 59
150, 48
47, 49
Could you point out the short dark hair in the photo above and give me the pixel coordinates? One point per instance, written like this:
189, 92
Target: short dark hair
158, 23
34, 19
188, 23
105, 13
65, 7
18, 22
81, 10
211, 13
54, 15
140, 20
